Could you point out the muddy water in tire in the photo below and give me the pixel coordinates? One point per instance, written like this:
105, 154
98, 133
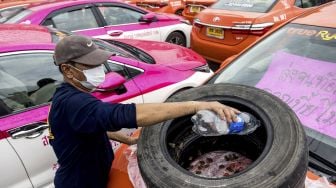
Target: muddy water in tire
218, 164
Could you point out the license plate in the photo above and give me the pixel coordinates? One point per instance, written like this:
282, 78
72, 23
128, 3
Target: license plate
195, 9
215, 32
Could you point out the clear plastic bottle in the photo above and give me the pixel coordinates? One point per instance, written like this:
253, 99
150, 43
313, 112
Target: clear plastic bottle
208, 123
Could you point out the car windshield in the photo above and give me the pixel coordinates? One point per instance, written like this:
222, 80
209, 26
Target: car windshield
244, 5
9, 12
297, 64
20, 14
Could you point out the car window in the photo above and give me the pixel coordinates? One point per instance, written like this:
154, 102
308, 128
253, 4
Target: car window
126, 71
18, 16
136, 53
109, 46
115, 15
73, 20
298, 65
7, 13
244, 5
309, 3
26, 80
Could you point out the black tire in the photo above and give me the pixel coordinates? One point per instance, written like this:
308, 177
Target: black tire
177, 38
179, 12
282, 162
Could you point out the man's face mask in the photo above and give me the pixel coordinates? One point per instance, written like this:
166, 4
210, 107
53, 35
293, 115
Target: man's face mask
94, 77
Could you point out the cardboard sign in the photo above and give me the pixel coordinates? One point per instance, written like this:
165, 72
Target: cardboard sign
308, 86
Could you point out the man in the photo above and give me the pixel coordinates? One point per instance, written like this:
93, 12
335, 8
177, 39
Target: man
79, 122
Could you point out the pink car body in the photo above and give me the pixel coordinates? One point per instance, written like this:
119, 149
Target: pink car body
106, 19
25, 59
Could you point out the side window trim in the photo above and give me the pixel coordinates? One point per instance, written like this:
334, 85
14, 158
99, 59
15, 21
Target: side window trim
126, 68
136, 9
50, 21
28, 52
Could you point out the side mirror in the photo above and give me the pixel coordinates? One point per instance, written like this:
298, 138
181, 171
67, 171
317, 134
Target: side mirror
227, 61
113, 81
148, 18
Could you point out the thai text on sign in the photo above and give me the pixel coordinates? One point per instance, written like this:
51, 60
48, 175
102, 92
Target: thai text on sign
308, 86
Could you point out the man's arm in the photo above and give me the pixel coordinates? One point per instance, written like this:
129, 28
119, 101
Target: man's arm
120, 137
150, 114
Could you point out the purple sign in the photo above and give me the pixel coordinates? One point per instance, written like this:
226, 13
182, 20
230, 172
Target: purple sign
308, 86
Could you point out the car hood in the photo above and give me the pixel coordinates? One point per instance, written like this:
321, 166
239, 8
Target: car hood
167, 54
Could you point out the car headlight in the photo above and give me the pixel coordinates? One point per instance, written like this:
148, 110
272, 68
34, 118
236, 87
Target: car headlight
203, 68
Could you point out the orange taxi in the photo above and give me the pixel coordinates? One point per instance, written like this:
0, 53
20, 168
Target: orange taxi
193, 7
229, 26
291, 51
165, 6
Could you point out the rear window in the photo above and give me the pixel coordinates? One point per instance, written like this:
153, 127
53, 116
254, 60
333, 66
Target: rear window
18, 16
7, 13
244, 5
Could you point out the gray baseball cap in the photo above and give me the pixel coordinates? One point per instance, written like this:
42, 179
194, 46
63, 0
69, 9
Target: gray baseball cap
80, 49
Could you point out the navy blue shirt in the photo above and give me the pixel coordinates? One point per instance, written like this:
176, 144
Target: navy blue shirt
78, 124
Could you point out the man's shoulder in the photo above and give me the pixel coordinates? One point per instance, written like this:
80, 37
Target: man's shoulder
68, 93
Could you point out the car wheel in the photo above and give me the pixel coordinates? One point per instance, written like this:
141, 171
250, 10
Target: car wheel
179, 12
177, 38
278, 147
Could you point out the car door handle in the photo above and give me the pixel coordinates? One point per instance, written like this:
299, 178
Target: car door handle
115, 33
29, 131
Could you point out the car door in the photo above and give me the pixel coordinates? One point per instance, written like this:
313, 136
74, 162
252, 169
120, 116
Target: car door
122, 21
81, 19
28, 80
13, 173
130, 93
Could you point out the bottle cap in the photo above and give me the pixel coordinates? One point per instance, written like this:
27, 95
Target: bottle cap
236, 127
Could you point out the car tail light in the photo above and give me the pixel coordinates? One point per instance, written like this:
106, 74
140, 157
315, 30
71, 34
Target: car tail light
254, 29
203, 68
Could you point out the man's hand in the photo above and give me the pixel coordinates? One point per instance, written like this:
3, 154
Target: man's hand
120, 137
224, 112
132, 140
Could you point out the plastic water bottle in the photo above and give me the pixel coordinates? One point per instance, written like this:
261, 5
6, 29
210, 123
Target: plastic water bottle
208, 123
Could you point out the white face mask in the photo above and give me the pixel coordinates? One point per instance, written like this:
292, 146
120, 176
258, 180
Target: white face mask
94, 77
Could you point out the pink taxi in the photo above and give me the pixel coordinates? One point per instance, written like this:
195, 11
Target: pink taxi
140, 74
297, 64
106, 19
